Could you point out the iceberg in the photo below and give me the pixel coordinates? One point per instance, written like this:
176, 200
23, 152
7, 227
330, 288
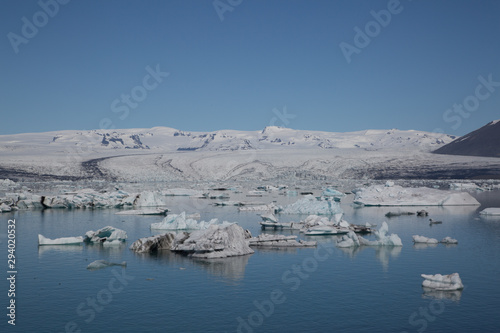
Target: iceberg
149, 199
215, 242
408, 196
423, 239
490, 212
442, 282
154, 243
99, 264
448, 240
60, 241
278, 241
5, 208
154, 211
330, 192
106, 234
382, 239
181, 192
181, 222
310, 205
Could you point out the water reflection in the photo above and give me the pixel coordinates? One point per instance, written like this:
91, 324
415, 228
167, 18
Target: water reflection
452, 295
232, 268
54, 249
382, 253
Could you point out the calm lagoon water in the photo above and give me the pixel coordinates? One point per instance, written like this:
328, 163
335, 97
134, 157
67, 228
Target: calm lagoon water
289, 290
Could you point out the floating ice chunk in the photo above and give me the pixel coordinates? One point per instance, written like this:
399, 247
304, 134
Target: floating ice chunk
154, 211
442, 282
330, 192
106, 234
490, 211
181, 192
5, 208
181, 222
382, 239
349, 240
310, 205
255, 208
449, 240
154, 243
150, 199
269, 217
267, 240
99, 264
407, 196
60, 241
215, 242
423, 239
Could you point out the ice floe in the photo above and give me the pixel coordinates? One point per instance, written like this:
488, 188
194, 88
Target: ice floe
409, 196
311, 205
106, 234
99, 264
490, 211
423, 239
154, 243
182, 222
60, 241
442, 282
266, 240
215, 242
381, 238
153, 211
448, 240
150, 199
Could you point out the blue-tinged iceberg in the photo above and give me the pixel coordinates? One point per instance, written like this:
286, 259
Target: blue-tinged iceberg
182, 222
311, 205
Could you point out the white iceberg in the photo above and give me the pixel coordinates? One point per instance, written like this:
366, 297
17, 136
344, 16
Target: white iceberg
150, 199
423, 239
382, 239
5, 208
266, 240
99, 264
449, 240
408, 196
154, 243
255, 208
60, 241
310, 205
442, 282
153, 211
490, 211
181, 192
330, 192
182, 222
106, 234
215, 242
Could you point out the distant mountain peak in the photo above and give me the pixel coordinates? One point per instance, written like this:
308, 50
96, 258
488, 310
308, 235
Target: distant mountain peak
484, 141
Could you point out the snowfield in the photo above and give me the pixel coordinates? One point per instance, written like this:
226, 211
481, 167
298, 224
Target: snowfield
167, 154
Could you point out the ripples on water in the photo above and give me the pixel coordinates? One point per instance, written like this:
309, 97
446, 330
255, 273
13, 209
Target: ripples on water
294, 290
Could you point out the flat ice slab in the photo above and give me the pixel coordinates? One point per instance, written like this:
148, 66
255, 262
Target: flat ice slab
311, 205
99, 264
442, 282
154, 211
60, 241
490, 211
409, 196
183, 222
266, 240
106, 234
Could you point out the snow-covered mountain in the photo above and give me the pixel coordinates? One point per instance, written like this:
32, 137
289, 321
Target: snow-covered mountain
167, 154
272, 137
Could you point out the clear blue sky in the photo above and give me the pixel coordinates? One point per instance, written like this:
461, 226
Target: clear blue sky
264, 55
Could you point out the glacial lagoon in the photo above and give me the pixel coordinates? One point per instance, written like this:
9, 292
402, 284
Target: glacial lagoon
367, 289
